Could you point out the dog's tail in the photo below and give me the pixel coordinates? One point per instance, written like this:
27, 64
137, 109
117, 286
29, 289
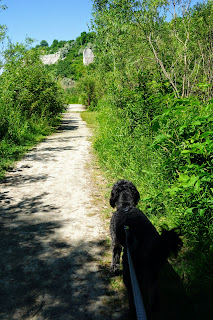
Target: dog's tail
171, 241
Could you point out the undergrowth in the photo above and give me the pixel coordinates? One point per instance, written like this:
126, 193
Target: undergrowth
169, 158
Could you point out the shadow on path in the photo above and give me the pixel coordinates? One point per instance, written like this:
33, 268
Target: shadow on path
68, 124
41, 276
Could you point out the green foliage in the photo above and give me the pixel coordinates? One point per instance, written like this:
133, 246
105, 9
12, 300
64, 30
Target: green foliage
147, 133
56, 46
44, 43
2, 6
30, 101
26, 86
71, 53
135, 37
87, 89
184, 134
71, 67
3, 31
85, 38
122, 146
66, 49
170, 160
71, 95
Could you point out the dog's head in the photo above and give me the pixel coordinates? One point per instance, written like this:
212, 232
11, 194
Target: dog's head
124, 193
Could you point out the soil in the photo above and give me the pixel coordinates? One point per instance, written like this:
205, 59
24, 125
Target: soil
52, 235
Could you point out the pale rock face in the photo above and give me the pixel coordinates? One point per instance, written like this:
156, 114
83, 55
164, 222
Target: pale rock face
50, 58
88, 56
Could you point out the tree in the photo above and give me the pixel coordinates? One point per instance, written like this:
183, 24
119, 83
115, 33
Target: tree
26, 84
123, 56
44, 43
3, 28
55, 43
2, 6
164, 39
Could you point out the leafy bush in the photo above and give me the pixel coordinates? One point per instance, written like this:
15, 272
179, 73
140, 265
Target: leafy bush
30, 102
27, 86
184, 134
87, 88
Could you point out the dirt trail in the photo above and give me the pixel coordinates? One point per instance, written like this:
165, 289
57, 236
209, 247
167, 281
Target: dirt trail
51, 236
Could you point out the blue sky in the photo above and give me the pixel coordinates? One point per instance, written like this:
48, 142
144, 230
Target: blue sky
46, 19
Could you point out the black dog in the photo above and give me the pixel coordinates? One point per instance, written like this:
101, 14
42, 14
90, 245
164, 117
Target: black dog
149, 250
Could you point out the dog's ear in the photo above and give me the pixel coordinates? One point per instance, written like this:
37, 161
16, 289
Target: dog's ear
113, 198
116, 190
136, 196
132, 191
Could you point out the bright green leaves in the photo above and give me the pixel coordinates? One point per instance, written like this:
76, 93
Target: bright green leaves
183, 134
158, 139
27, 92
187, 181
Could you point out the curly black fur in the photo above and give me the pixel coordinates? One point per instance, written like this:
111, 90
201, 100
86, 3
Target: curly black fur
124, 193
148, 249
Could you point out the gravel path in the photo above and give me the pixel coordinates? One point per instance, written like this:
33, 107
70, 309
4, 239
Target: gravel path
51, 235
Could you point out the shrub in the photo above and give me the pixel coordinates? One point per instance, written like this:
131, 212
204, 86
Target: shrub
26, 85
30, 102
184, 135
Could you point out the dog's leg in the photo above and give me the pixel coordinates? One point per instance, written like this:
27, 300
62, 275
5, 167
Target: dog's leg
116, 253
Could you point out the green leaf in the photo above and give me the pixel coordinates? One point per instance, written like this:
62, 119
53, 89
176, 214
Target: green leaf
204, 85
186, 151
161, 138
193, 179
183, 177
189, 210
206, 134
201, 212
187, 181
196, 123
172, 190
197, 185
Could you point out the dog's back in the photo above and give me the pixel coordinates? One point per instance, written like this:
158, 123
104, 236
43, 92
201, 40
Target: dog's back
149, 249
138, 224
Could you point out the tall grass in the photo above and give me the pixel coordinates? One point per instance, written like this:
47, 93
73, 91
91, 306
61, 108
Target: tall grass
123, 149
